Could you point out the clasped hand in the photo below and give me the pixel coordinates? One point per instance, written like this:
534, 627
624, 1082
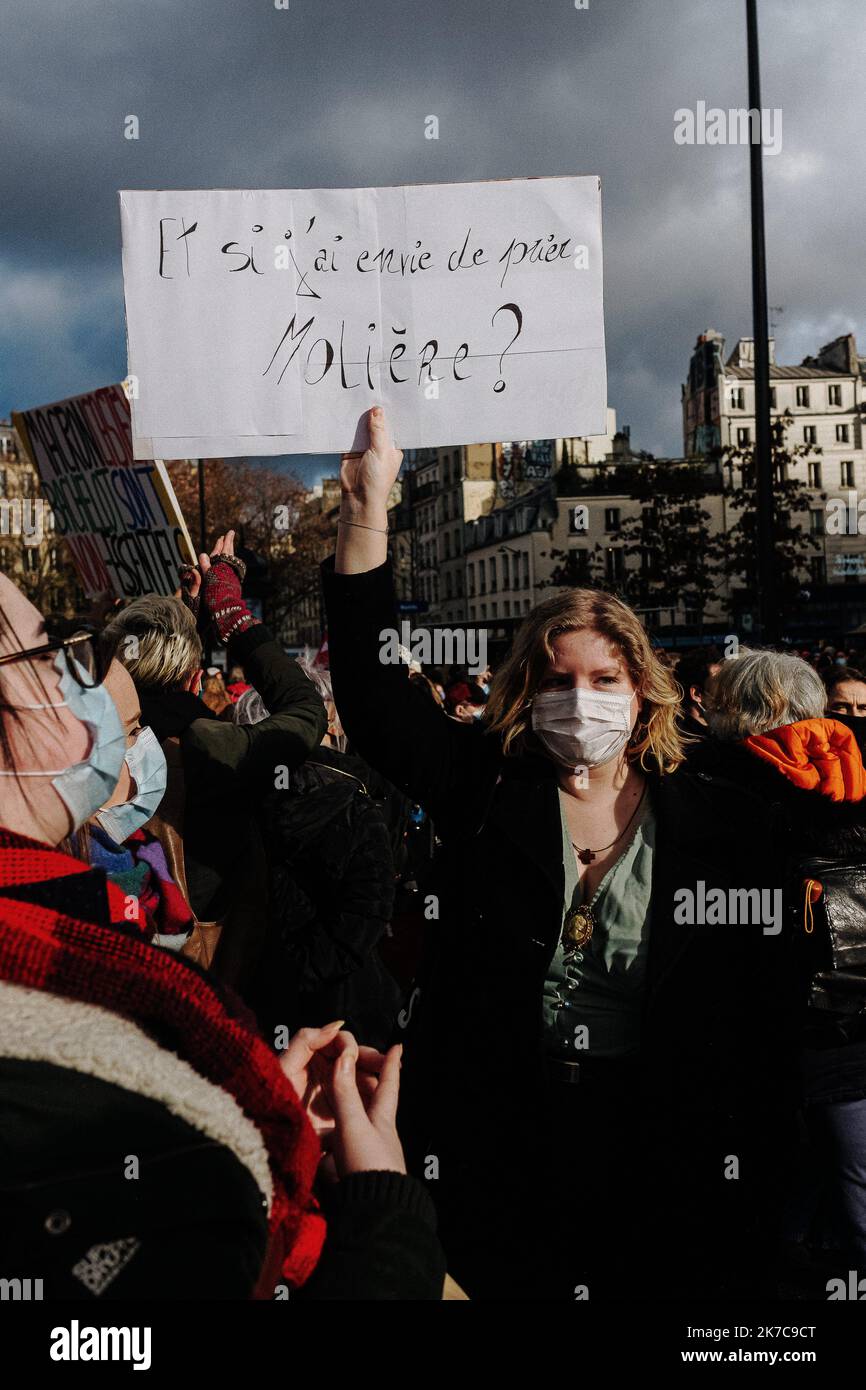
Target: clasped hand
350, 1094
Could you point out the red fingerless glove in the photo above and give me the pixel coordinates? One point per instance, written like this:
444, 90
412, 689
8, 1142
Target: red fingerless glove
221, 600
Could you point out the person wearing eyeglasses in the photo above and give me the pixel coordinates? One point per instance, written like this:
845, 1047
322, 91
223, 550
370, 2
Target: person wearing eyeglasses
154, 1145
113, 838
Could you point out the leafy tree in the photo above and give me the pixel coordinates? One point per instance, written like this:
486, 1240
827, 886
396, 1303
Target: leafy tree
660, 556
669, 537
275, 518
735, 554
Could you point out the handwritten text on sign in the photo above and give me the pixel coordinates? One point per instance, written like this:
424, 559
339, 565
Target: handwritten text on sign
120, 518
268, 322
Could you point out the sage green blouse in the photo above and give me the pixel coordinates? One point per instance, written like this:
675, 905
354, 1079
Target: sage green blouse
593, 997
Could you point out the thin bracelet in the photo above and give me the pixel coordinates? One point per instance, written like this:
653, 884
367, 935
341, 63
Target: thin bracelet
341, 521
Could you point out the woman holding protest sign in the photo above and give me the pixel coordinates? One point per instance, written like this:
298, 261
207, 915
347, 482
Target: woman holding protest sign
581, 1060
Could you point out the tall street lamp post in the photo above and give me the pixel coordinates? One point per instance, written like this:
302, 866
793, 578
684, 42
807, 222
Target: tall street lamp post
768, 614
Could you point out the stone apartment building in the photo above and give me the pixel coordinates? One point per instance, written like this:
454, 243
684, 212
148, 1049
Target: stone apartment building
445, 488
31, 554
479, 533
822, 402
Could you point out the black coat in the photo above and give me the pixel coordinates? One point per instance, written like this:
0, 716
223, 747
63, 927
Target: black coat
810, 826
718, 1016
229, 767
192, 1223
331, 877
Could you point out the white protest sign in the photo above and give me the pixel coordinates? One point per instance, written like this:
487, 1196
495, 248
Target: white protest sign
120, 518
269, 322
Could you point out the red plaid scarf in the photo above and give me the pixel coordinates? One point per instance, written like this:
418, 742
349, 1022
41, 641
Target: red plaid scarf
42, 948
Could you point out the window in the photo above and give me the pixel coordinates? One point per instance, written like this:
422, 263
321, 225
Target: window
526, 569
482, 579
693, 617
744, 436
615, 565
842, 434
31, 558
802, 395
491, 573
447, 543
772, 398
505, 583
818, 569
810, 434
816, 522
611, 518
834, 395
506, 609
55, 557
814, 474
470, 580
846, 473
493, 610
738, 398
484, 610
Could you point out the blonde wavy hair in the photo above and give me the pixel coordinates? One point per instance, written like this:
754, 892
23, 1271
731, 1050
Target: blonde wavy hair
655, 741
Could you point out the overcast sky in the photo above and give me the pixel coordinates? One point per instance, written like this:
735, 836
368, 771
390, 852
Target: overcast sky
235, 93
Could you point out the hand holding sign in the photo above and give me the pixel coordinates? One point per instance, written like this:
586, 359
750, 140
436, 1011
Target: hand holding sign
366, 480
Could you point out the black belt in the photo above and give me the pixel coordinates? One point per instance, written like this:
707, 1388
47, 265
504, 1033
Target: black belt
591, 1070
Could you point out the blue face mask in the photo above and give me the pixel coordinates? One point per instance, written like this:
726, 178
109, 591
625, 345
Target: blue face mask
86, 785
146, 763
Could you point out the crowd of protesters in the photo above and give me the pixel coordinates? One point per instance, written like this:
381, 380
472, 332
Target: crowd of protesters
594, 921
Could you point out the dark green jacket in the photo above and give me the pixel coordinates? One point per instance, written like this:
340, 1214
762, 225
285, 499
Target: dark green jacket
228, 768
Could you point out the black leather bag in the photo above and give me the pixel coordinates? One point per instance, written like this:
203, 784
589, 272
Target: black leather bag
835, 924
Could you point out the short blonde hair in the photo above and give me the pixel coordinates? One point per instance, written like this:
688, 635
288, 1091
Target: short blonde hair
156, 639
655, 741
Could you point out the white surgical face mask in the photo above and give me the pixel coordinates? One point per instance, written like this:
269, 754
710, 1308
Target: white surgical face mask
85, 785
147, 768
582, 728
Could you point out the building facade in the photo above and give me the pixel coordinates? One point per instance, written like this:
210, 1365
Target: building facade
32, 555
821, 405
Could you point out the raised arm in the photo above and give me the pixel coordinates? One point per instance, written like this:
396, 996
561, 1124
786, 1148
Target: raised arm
365, 482
444, 765
297, 720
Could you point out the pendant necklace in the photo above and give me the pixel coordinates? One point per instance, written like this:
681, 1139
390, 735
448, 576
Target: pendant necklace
579, 921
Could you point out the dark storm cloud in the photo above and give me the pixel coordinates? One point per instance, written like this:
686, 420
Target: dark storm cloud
235, 93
